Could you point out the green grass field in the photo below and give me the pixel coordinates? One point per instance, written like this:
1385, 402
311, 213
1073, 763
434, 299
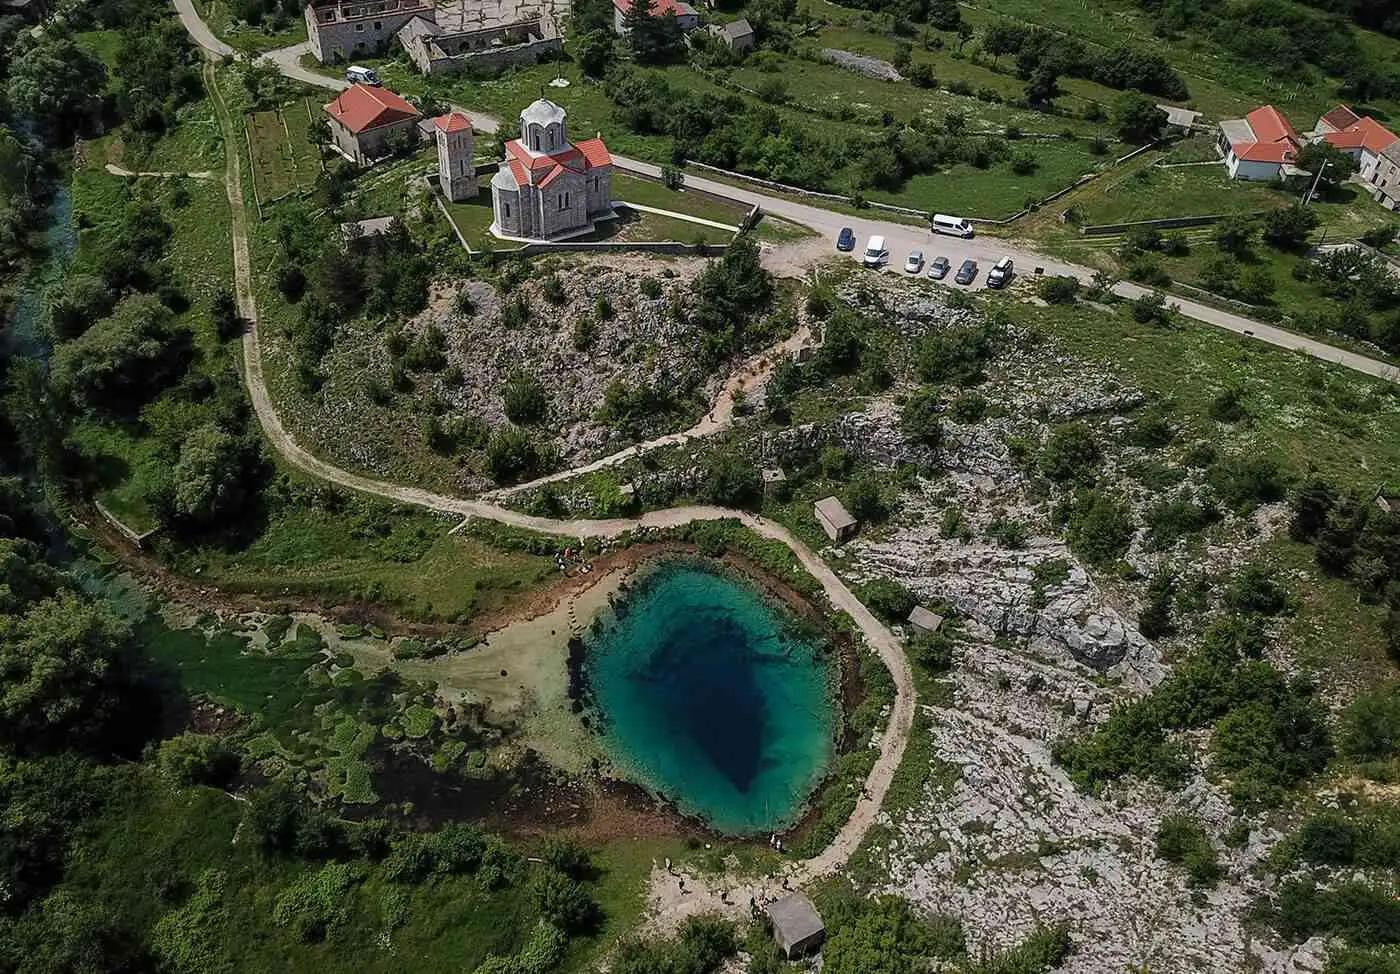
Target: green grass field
250, 40
284, 159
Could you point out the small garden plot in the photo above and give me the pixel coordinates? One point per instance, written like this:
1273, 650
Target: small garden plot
285, 161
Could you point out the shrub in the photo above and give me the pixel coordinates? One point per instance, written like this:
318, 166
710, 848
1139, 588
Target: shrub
564, 902
1059, 289
512, 454
969, 407
888, 599
196, 759
919, 417
1100, 528
318, 901
1172, 520
1181, 840
932, 651
865, 500
732, 481
1071, 454
1243, 483
1255, 591
524, 399
1370, 725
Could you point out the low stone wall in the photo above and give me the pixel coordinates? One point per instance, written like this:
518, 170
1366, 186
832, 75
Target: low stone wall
519, 55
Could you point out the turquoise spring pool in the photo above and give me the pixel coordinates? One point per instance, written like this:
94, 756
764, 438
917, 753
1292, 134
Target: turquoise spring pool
711, 696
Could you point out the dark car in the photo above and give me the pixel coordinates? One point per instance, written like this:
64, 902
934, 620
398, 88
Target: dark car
939, 268
967, 273
846, 240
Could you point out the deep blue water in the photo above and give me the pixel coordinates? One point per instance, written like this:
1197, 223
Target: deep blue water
710, 696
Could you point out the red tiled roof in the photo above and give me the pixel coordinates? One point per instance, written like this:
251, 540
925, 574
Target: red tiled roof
1269, 125
1341, 117
360, 108
595, 151
545, 168
1366, 134
658, 7
453, 122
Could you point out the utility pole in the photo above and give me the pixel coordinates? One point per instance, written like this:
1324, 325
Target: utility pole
1316, 179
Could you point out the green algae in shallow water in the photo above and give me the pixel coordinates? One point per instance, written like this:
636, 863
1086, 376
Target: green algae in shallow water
712, 697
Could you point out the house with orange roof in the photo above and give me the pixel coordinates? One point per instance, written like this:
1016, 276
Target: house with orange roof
687, 19
547, 187
1359, 136
364, 121
1263, 146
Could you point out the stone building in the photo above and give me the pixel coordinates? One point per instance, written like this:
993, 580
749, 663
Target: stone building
342, 30
456, 149
1385, 180
476, 39
835, 520
797, 926
364, 121
737, 35
548, 187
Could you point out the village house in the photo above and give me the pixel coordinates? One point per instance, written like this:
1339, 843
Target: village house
365, 122
1180, 121
686, 16
1359, 136
548, 188
737, 35
1263, 146
342, 30
1385, 180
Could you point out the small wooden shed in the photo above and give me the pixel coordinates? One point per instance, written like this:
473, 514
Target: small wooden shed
797, 926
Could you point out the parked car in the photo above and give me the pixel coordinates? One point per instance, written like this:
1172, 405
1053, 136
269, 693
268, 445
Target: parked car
875, 252
357, 75
915, 262
1000, 274
846, 239
967, 273
939, 268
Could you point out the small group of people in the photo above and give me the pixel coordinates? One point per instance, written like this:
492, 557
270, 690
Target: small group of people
563, 559
775, 843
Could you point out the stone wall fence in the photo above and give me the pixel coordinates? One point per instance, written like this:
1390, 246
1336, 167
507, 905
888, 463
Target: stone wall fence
671, 248
1169, 223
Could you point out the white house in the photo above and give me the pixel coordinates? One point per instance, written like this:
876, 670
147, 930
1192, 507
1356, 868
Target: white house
1359, 136
1263, 146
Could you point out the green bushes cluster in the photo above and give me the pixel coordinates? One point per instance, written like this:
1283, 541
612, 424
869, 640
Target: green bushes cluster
1270, 732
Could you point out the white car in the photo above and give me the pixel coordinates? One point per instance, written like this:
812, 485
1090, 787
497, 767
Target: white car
915, 263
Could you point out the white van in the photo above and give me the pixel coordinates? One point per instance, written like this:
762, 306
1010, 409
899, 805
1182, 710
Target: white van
875, 252
953, 226
357, 75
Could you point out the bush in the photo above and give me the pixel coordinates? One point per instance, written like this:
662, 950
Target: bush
1100, 528
969, 407
865, 501
1255, 591
1059, 289
524, 399
1181, 840
1071, 454
564, 902
1155, 619
512, 454
919, 417
732, 481
318, 901
1244, 483
196, 759
932, 651
1370, 725
888, 599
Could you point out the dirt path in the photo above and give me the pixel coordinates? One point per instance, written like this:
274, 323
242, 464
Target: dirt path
116, 170
879, 638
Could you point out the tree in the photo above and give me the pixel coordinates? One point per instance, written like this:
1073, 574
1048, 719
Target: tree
920, 417
59, 661
1059, 289
732, 481
865, 501
564, 902
209, 478
1100, 528
196, 759
124, 359
595, 51
1288, 228
57, 82
78, 302
1234, 235
1323, 157
944, 14
224, 312
512, 454
653, 38
1137, 119
1043, 86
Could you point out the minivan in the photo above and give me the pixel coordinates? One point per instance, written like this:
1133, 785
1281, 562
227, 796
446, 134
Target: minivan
1000, 274
875, 252
357, 75
953, 226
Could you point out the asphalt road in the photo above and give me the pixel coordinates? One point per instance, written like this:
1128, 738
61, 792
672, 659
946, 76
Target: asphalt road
900, 238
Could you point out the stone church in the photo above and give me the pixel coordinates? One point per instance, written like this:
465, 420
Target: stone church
547, 187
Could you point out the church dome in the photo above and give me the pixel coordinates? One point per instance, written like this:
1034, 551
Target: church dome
543, 112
